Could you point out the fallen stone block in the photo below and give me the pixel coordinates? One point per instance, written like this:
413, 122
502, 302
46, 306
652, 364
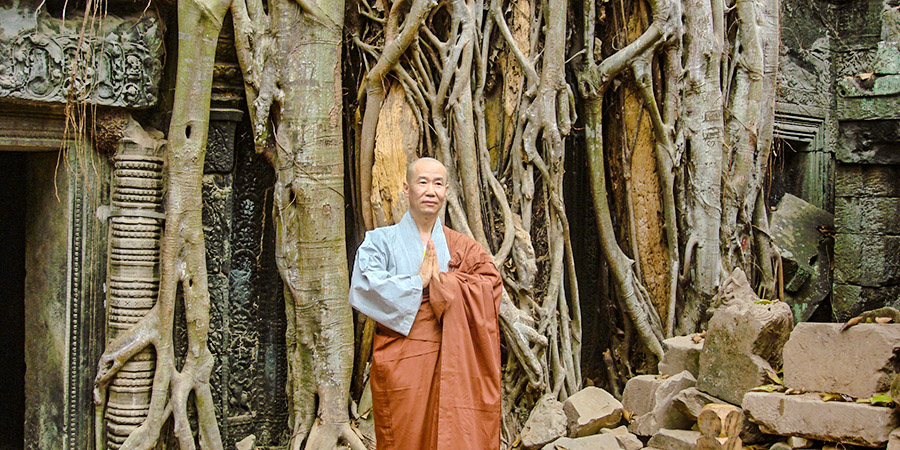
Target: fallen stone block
627, 440
857, 362
591, 409
595, 442
662, 414
691, 400
546, 423
808, 416
681, 353
743, 342
674, 439
894, 440
639, 393
805, 256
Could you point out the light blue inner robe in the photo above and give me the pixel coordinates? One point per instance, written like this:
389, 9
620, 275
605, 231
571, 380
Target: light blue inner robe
385, 284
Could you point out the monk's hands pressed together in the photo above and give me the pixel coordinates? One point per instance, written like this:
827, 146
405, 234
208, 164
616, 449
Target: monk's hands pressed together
429, 269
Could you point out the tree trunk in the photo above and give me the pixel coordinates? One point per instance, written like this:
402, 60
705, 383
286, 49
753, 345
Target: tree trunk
290, 56
182, 253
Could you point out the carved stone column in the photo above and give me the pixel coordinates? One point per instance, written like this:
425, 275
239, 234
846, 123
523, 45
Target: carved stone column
136, 225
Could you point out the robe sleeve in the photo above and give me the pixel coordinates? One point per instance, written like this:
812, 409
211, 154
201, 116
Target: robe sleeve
389, 299
476, 278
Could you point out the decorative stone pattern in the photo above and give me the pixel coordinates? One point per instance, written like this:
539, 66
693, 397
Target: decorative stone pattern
253, 357
118, 65
133, 278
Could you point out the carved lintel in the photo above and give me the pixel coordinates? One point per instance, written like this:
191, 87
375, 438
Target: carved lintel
118, 64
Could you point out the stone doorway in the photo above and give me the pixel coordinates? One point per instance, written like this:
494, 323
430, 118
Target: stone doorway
13, 169
51, 315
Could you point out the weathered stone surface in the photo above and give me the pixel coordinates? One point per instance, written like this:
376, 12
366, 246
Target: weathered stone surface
662, 414
867, 215
857, 362
591, 409
799, 442
681, 353
121, 63
546, 423
595, 442
867, 180
850, 300
691, 400
894, 440
220, 141
674, 439
627, 440
808, 416
805, 253
743, 341
866, 259
639, 393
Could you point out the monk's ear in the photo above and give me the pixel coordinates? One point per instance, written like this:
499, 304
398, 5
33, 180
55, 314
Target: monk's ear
406, 189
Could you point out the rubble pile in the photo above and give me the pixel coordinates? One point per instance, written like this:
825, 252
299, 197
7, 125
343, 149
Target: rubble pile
725, 391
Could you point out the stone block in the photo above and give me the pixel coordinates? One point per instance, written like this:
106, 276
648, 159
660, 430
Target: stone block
627, 440
867, 180
869, 131
894, 440
866, 259
808, 416
595, 442
546, 423
805, 254
662, 414
691, 400
850, 300
799, 442
674, 439
857, 362
591, 409
867, 215
743, 341
639, 393
681, 353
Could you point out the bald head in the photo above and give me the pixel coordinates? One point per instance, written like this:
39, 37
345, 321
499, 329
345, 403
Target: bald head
413, 167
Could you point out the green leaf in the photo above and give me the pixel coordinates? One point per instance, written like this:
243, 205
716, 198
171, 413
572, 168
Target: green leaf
763, 301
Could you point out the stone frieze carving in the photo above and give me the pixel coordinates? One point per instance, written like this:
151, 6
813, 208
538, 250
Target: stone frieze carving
119, 64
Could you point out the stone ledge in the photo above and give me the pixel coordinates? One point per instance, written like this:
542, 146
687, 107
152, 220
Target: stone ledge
808, 416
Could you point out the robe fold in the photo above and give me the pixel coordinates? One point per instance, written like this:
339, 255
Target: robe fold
437, 387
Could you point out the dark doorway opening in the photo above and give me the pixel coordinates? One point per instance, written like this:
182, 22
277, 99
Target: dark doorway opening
13, 176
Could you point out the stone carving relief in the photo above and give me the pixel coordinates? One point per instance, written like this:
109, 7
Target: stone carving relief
119, 64
135, 229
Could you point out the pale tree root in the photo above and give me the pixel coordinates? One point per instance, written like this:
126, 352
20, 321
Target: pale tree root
170, 392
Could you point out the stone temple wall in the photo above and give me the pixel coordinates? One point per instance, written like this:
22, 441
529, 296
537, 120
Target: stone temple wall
866, 74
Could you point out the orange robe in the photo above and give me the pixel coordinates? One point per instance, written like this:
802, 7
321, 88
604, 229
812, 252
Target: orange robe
439, 387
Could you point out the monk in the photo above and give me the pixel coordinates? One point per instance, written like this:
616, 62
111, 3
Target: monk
435, 296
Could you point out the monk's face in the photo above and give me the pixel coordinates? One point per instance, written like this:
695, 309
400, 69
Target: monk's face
426, 188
